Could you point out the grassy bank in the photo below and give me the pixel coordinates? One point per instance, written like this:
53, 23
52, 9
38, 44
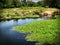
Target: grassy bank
43, 31
22, 12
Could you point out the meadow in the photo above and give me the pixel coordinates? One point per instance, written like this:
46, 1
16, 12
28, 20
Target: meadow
23, 12
43, 31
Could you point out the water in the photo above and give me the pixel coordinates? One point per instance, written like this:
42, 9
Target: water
9, 36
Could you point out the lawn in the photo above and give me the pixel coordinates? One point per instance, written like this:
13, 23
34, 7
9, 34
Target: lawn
43, 31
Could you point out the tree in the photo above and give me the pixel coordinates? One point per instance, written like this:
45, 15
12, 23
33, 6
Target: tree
30, 3
15, 3
52, 3
2, 3
41, 3
8, 3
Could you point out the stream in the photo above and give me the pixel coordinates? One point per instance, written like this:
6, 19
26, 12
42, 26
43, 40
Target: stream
8, 36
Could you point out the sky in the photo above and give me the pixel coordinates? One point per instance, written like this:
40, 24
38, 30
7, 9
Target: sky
35, 0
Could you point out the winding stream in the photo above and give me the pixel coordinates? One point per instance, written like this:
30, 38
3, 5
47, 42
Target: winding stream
11, 37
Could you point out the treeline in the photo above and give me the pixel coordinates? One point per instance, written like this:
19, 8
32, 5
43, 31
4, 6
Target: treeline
16, 3
21, 3
52, 3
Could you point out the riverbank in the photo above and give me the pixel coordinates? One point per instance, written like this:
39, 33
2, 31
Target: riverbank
23, 12
43, 31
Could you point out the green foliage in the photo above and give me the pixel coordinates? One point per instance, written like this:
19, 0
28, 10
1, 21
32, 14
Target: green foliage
43, 31
31, 4
52, 3
1, 5
18, 3
8, 3
41, 3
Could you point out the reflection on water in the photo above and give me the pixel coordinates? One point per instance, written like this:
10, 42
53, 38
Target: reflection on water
7, 35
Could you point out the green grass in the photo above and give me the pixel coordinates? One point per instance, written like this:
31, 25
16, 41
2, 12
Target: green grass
19, 12
41, 31
27, 16
32, 16
18, 17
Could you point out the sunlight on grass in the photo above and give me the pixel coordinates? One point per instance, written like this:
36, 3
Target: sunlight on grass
24, 12
42, 31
